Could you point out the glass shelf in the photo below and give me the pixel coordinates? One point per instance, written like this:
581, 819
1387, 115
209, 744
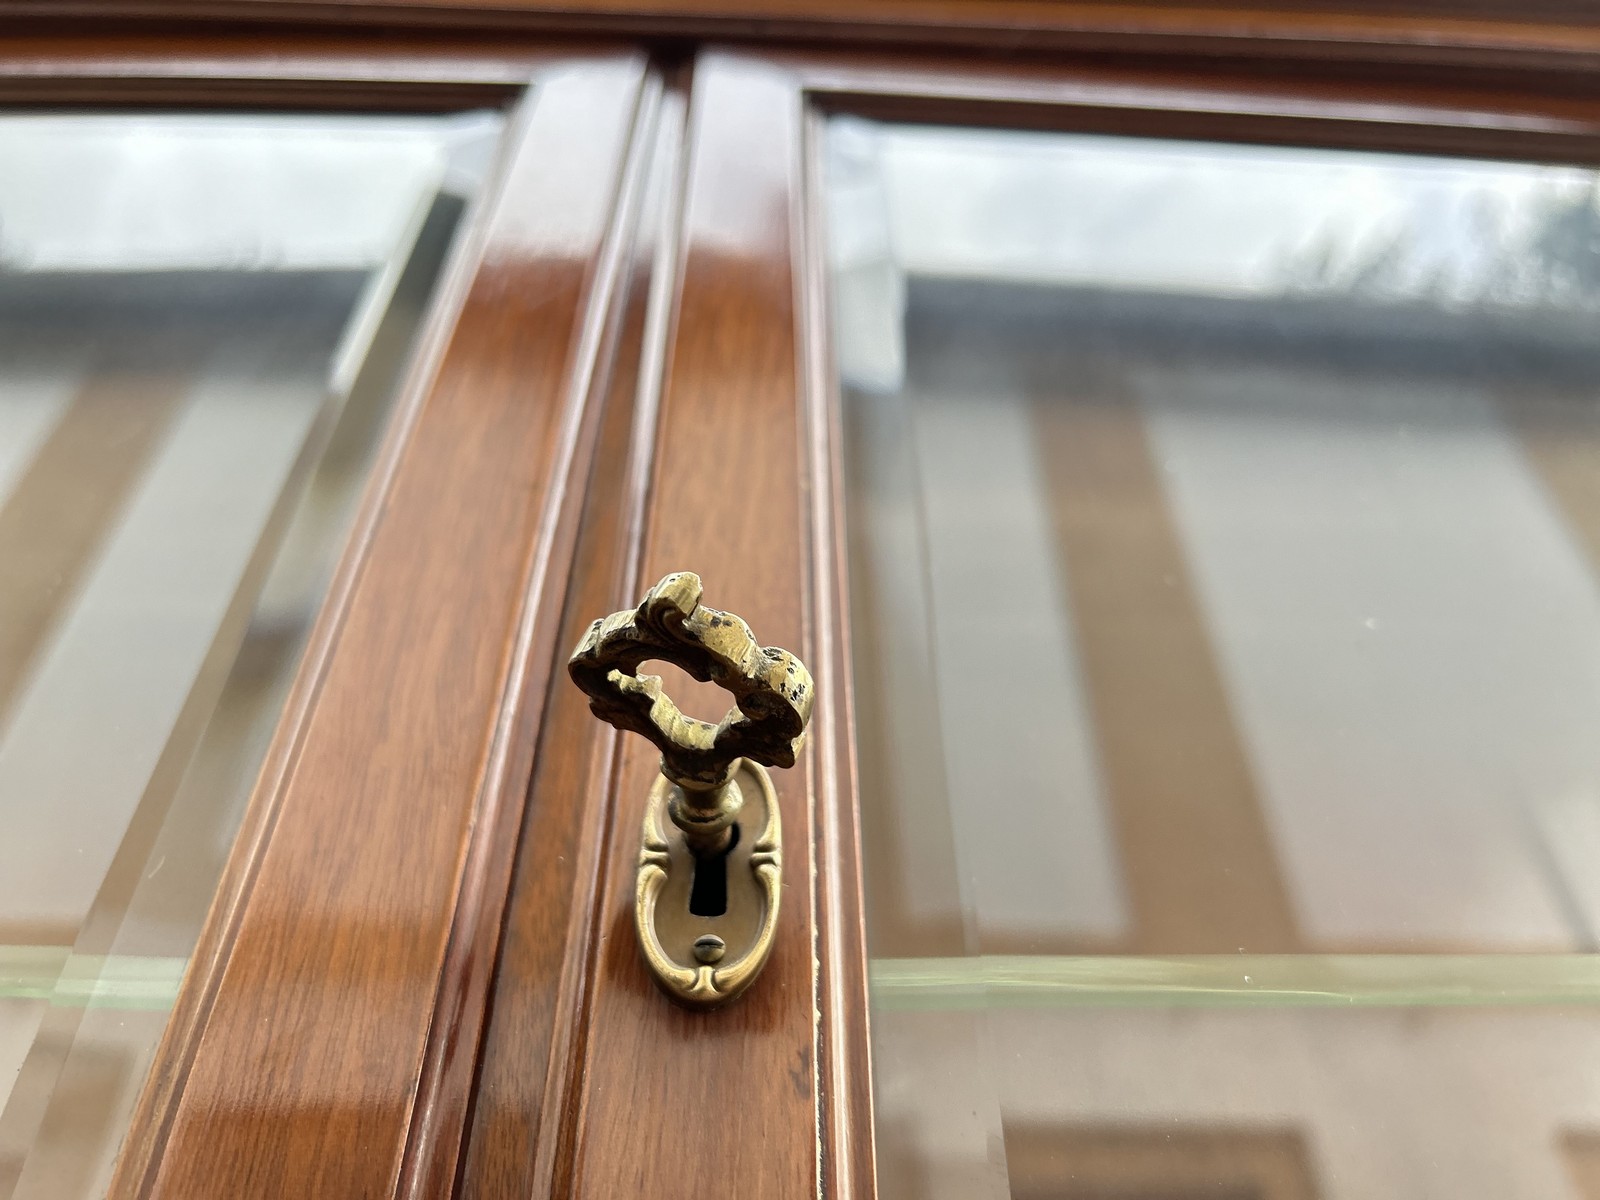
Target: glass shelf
1225, 980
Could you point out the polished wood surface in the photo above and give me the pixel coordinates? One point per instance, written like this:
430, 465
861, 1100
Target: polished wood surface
681, 1103
1210, 102
386, 1001
629, 1082
1412, 117
445, 1091
603, 1087
325, 1035
519, 1143
1560, 39
275, 71
846, 1139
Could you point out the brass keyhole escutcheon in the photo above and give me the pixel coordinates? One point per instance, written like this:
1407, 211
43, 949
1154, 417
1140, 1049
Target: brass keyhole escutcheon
711, 847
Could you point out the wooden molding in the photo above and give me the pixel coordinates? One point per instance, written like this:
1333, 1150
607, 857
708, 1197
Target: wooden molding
419, 974
1551, 43
275, 71
324, 1039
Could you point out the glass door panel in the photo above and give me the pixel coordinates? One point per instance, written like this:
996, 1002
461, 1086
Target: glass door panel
204, 319
1224, 526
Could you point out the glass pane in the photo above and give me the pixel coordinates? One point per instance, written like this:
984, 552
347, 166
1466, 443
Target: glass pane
203, 320
1224, 527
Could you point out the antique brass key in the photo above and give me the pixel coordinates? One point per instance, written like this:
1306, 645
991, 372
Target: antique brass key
706, 895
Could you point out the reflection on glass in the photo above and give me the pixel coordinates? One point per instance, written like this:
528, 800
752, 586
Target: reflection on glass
1224, 529
203, 320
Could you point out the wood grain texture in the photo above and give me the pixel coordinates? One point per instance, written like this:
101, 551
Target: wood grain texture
652, 1098
847, 1150
520, 1137
1215, 102
448, 1078
139, 1155
747, 493
362, 911
293, 1063
272, 70
1558, 39
678, 1103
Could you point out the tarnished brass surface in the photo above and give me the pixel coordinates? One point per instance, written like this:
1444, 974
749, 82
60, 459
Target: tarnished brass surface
713, 779
682, 949
771, 690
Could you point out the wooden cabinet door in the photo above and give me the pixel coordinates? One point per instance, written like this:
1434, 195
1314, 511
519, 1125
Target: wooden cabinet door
1132, 560
225, 256
592, 1082
1177, 479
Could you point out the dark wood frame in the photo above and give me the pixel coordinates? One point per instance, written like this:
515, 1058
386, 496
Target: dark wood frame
1550, 43
341, 973
277, 71
741, 359
400, 998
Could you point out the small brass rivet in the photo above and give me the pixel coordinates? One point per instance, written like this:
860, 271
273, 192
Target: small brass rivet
709, 948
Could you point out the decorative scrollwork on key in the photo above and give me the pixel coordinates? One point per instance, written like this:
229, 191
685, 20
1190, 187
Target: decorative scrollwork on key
701, 767
772, 692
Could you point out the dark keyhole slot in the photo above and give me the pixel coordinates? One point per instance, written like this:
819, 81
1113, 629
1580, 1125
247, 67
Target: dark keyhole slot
708, 897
